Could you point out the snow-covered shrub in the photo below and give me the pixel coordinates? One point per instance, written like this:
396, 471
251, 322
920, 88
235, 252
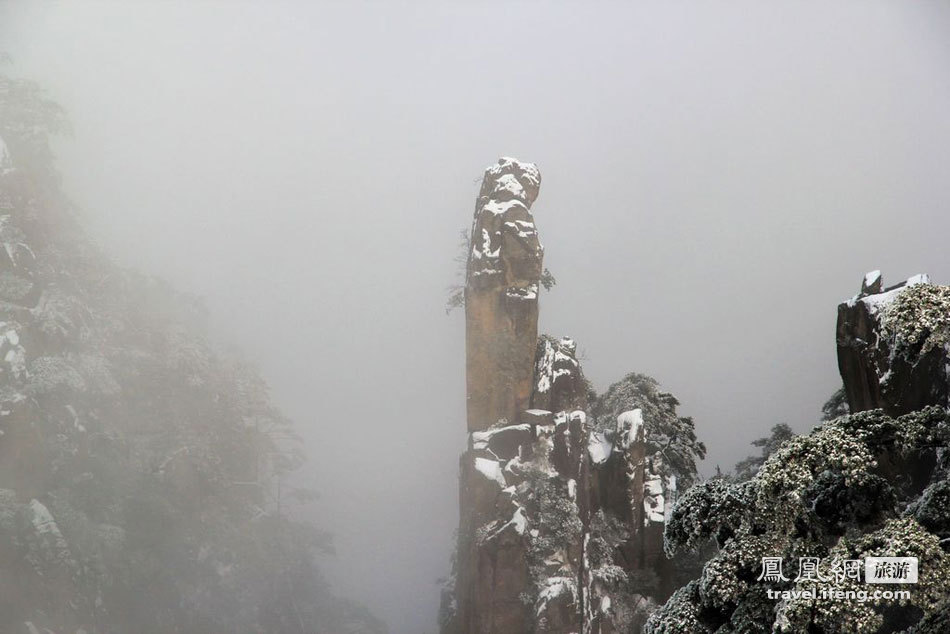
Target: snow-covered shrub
710, 509
861, 485
919, 317
669, 437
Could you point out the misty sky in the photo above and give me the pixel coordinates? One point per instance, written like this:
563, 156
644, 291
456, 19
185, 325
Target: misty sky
716, 178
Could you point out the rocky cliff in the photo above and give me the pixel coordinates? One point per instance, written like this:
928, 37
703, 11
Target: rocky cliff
892, 345
872, 480
563, 494
501, 294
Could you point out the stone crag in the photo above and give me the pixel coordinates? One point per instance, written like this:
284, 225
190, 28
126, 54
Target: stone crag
501, 294
561, 511
892, 351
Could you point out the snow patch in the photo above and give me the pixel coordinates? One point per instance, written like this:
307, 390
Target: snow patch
629, 425
543, 368
499, 208
518, 521
599, 447
507, 183
517, 292
654, 505
529, 171
491, 469
875, 303
480, 439
553, 588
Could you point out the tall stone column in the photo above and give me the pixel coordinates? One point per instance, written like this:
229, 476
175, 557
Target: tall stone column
556, 508
501, 295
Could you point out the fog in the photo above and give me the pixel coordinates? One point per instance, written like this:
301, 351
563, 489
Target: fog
716, 178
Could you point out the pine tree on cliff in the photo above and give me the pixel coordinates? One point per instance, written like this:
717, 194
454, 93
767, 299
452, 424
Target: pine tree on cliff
137, 462
748, 467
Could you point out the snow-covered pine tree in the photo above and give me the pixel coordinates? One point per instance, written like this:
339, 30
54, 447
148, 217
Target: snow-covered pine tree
137, 461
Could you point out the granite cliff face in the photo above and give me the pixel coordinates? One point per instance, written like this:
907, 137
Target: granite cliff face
501, 294
563, 495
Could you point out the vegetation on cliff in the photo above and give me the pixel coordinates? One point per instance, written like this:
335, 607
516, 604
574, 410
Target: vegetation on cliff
862, 485
138, 463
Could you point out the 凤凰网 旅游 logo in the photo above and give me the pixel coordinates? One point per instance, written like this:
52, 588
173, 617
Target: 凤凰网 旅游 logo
837, 570
838, 579
890, 570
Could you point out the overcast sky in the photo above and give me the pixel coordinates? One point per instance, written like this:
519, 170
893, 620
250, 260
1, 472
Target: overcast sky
716, 178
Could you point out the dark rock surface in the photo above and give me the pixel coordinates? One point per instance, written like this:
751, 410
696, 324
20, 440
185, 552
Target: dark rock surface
891, 349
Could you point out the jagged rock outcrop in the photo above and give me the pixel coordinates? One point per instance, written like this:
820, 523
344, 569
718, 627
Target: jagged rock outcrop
871, 480
892, 345
563, 494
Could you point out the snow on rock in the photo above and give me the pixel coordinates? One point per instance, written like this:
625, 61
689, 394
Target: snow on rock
671, 497
508, 187
491, 469
524, 229
500, 208
875, 301
526, 293
481, 439
555, 587
565, 418
873, 283
526, 174
559, 382
654, 507
544, 367
878, 301
485, 247
570, 347
519, 521
565, 504
503, 443
892, 345
629, 426
599, 447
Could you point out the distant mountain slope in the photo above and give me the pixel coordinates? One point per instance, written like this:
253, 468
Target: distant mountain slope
137, 463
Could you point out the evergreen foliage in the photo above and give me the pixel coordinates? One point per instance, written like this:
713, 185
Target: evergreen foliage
861, 485
139, 466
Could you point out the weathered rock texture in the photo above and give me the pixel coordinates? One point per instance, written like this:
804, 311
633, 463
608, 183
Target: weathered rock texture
892, 345
561, 511
501, 294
